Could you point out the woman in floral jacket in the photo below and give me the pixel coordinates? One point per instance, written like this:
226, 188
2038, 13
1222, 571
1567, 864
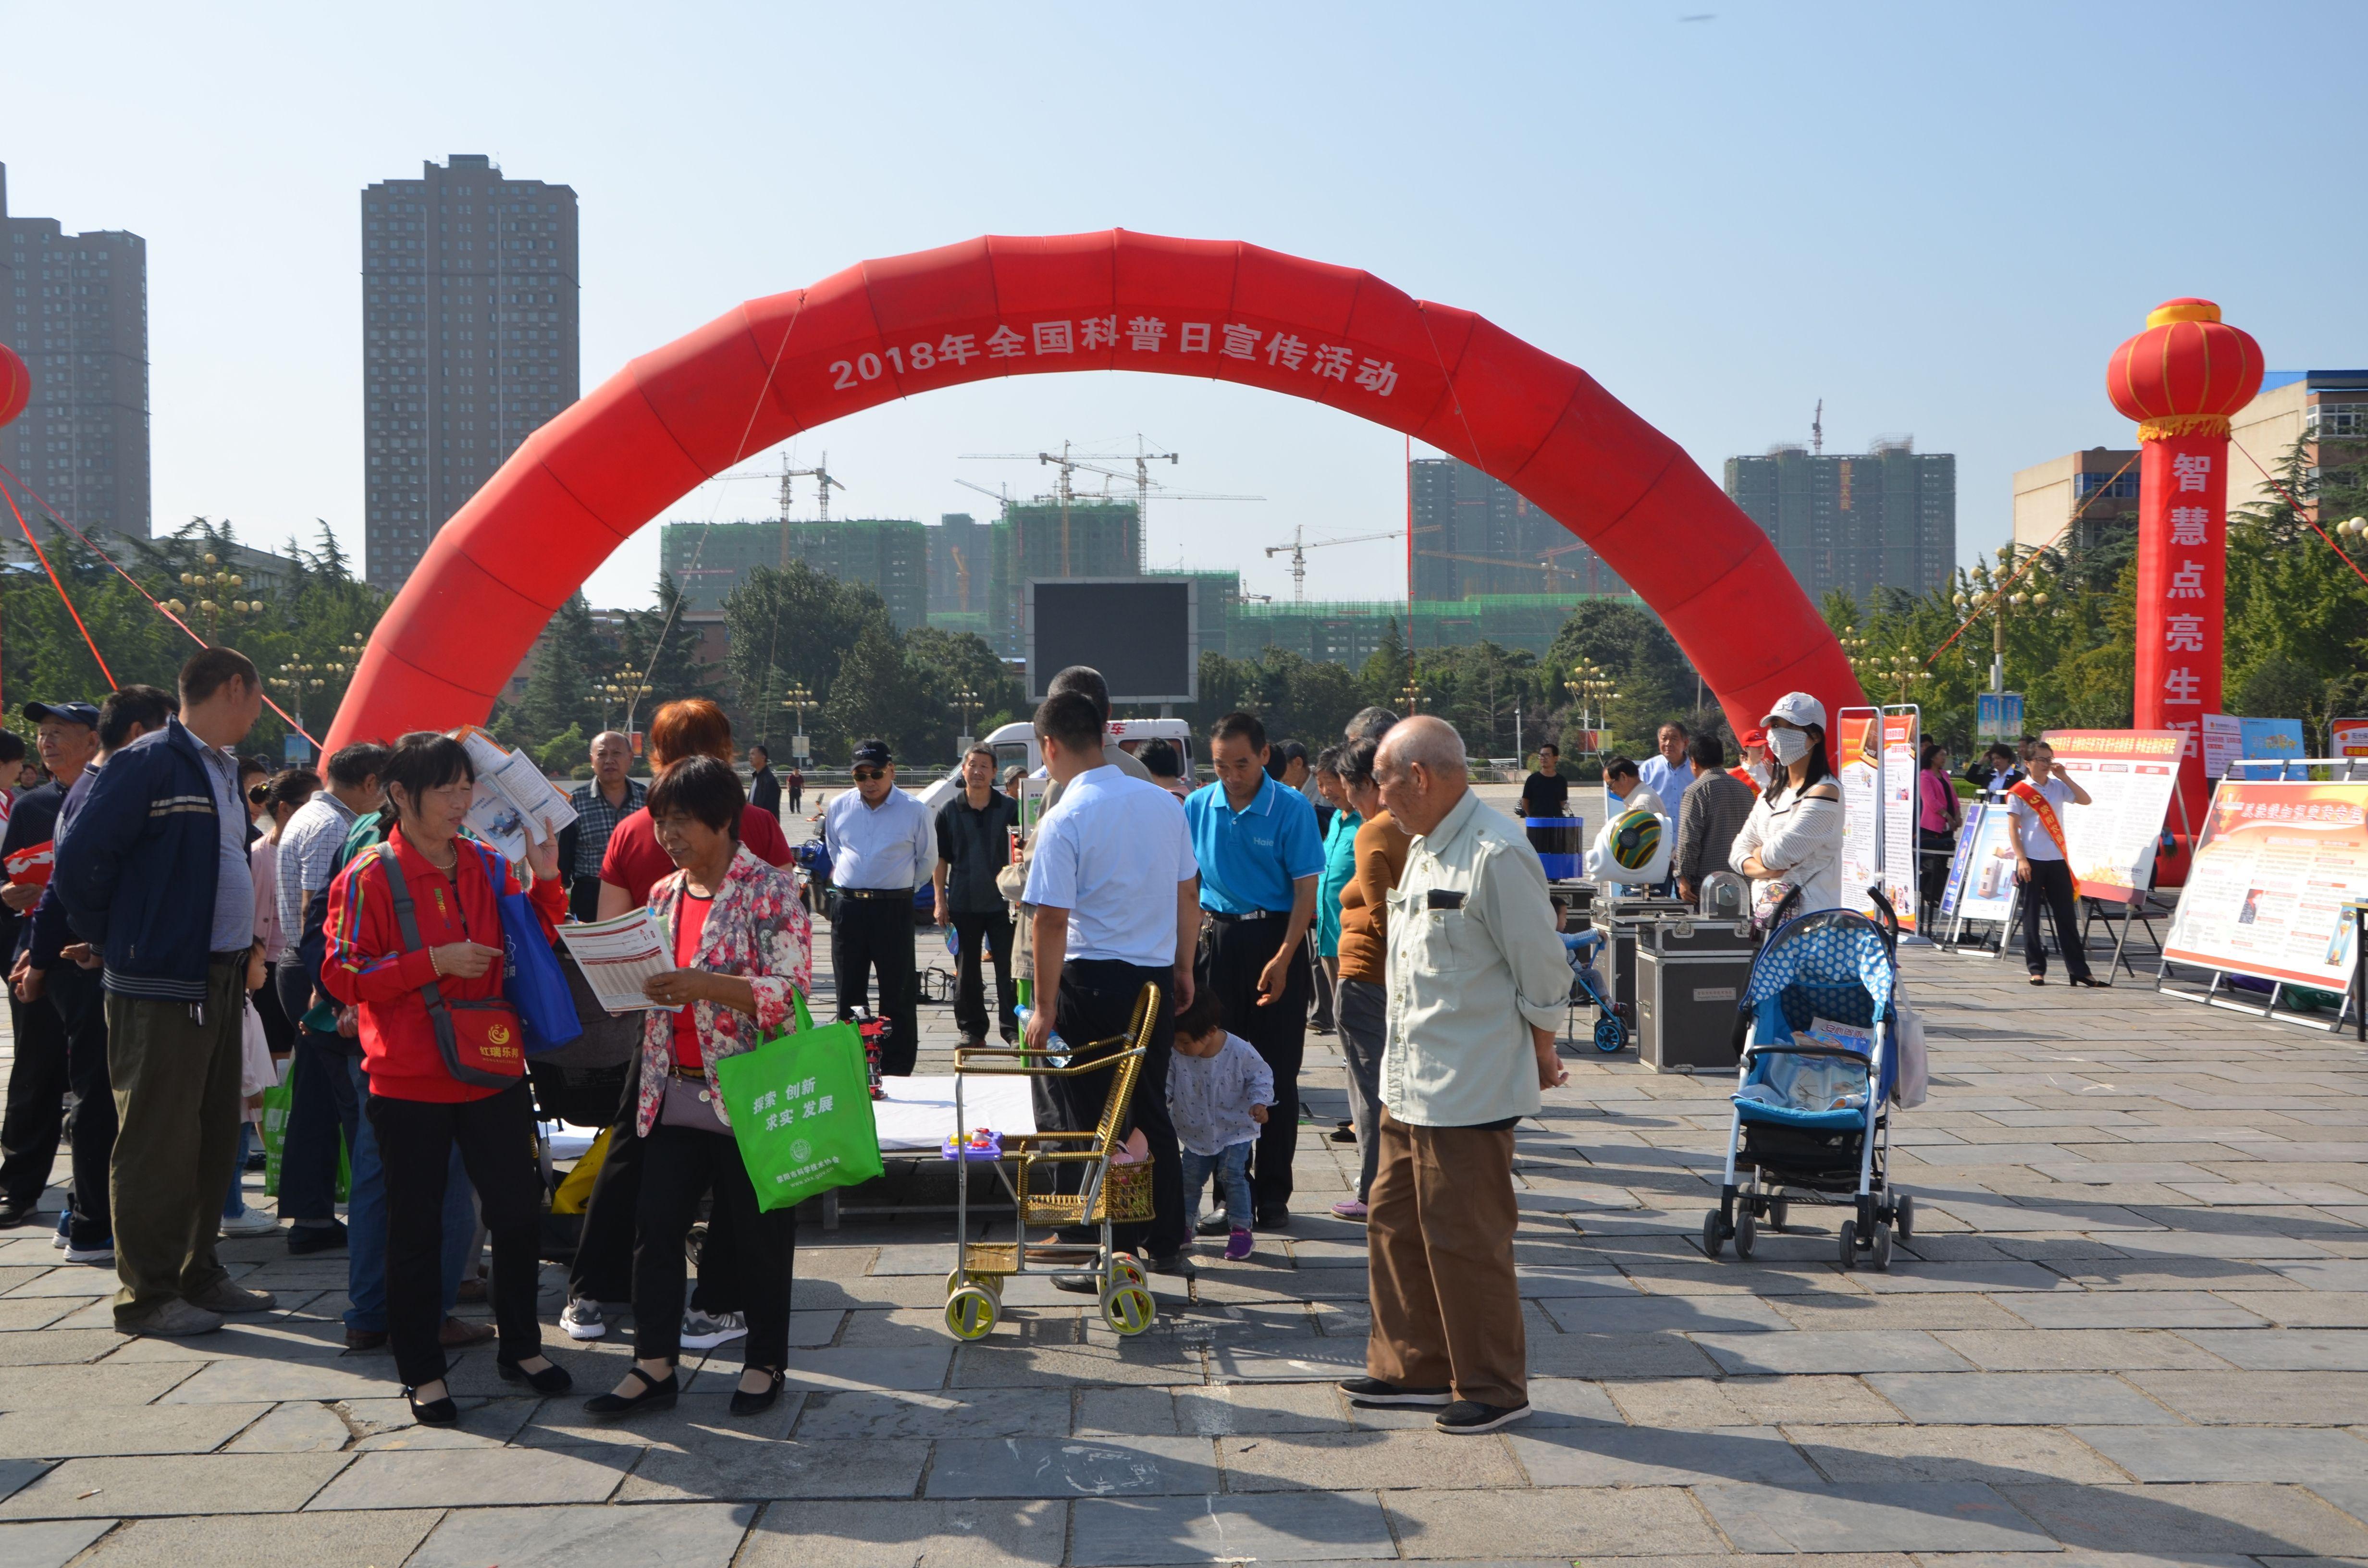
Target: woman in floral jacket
742, 944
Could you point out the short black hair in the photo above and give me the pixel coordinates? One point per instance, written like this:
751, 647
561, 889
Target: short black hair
1370, 724
756, 746
209, 671
1071, 718
1201, 1016
146, 706
358, 764
2000, 748
1707, 751
1242, 727
1550, 746
985, 751
248, 765
1619, 768
292, 787
703, 786
1159, 759
1283, 754
1086, 682
1357, 761
12, 746
424, 760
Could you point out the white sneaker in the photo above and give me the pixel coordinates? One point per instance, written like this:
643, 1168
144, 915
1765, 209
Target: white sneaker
254, 1223
103, 1253
700, 1332
583, 1319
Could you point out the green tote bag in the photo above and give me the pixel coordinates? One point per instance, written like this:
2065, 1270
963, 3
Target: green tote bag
800, 1110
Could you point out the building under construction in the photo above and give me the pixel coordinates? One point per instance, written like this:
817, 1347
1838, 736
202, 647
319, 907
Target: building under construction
1477, 536
708, 561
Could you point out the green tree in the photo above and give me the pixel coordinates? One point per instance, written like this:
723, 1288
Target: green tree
569, 657
661, 649
879, 692
949, 663
2297, 620
790, 628
1628, 642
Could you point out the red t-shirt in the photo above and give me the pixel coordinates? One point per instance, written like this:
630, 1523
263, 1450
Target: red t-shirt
691, 921
635, 860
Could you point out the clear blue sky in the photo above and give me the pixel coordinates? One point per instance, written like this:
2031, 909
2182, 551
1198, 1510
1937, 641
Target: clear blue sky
1939, 219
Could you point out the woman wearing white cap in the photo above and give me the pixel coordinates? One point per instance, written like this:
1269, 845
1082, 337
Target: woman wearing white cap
1793, 836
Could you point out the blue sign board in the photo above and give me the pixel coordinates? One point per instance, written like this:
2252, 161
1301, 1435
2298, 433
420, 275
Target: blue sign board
1997, 716
2278, 739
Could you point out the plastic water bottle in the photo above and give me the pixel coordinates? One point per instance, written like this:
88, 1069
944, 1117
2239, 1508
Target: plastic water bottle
1056, 1050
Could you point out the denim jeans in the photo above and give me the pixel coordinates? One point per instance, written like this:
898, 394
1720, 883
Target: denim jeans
234, 1202
1231, 1167
366, 1223
324, 1105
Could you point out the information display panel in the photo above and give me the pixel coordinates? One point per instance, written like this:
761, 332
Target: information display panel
2273, 870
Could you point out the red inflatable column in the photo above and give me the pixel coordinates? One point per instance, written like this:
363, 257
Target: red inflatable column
2182, 379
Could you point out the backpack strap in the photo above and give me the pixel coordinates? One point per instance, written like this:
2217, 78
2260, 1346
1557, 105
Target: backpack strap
406, 919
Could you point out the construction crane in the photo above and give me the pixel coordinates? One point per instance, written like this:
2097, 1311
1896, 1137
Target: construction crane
820, 474
1065, 491
1817, 430
1299, 547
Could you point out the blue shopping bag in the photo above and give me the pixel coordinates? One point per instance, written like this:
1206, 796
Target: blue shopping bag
532, 979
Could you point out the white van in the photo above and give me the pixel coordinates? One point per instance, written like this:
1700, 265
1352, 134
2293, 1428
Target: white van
1016, 742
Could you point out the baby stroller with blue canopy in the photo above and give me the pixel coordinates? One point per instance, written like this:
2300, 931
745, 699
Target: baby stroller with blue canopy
1585, 985
1819, 1066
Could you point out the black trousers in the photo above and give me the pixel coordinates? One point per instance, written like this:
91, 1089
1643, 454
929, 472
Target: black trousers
496, 1137
81, 1004
603, 1268
584, 896
990, 928
876, 935
1097, 1001
1239, 950
1320, 984
680, 1165
2051, 884
35, 1118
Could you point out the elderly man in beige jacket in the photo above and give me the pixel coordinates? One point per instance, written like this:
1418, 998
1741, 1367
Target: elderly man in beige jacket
1477, 987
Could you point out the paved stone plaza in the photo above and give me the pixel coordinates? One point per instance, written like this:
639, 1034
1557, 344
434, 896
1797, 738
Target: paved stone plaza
2132, 1323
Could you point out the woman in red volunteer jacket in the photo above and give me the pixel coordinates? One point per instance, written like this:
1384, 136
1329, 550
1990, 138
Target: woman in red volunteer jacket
427, 1092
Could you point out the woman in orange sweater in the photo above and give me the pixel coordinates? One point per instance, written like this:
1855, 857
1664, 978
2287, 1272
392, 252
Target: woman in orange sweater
1381, 854
414, 943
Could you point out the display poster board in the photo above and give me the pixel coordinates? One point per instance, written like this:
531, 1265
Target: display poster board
1998, 715
2273, 740
2273, 872
1986, 848
1859, 762
2129, 777
2223, 743
2347, 737
1901, 860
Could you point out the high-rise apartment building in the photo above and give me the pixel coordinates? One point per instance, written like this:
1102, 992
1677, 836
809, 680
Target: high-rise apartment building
889, 555
75, 308
470, 341
1477, 536
1884, 519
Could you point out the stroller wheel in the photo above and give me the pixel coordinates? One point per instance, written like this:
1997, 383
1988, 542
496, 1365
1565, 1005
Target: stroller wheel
971, 1313
1850, 1244
1903, 1214
1714, 1235
1779, 1210
1747, 1232
1611, 1035
1879, 1259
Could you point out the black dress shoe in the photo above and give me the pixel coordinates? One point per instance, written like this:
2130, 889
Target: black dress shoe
305, 1240
1274, 1217
435, 1412
1175, 1262
552, 1378
655, 1395
746, 1403
15, 1214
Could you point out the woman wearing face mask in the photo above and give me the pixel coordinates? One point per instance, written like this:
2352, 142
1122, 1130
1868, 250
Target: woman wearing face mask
1793, 836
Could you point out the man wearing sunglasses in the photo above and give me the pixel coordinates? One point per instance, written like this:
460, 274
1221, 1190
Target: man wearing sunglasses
883, 844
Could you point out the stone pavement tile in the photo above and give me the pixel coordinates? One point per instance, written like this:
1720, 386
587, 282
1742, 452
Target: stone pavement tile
89, 1432
2351, 1494
2272, 1521
1614, 1456
1646, 1314
1992, 1217
1730, 1277
228, 1483
296, 1427
2078, 1350
2288, 1350
258, 1382
2333, 1274
1224, 1410
1330, 1461
1073, 1467
696, 1535
1943, 1516
59, 1387
484, 1422
1311, 1359
2132, 1309
289, 1540
2017, 1399
1007, 1412
702, 1411
987, 1365
39, 1312
1552, 1284
2245, 1399
1748, 1401
2242, 1246
2174, 1274
1133, 1410
461, 1478
1298, 1528
2230, 1453
57, 1347
1650, 1521
52, 1544
73, 1280
273, 1338
2305, 1309
1912, 1276
830, 1534
1815, 1351
1930, 1311
2000, 1455
916, 1258
742, 1465
1616, 1356
17, 1474
921, 1367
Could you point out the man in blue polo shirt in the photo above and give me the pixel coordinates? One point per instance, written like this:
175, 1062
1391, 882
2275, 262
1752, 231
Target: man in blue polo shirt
1259, 857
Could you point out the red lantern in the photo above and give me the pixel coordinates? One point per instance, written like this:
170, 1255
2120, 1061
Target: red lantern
2186, 373
16, 384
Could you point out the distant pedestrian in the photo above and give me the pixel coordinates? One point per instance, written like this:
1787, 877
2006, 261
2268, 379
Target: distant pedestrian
1668, 771
1545, 793
1793, 840
794, 782
601, 802
974, 845
1378, 857
1716, 807
764, 784
2042, 865
882, 845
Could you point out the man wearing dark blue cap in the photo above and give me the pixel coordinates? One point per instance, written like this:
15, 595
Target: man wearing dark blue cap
67, 738
883, 844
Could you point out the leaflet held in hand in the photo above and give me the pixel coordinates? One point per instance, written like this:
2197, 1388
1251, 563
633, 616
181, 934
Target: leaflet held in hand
618, 957
515, 805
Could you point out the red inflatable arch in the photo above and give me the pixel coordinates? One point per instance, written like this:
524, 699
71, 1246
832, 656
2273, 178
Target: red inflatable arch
1002, 306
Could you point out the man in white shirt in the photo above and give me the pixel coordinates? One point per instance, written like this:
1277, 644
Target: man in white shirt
1625, 790
1667, 773
2041, 869
1117, 899
883, 844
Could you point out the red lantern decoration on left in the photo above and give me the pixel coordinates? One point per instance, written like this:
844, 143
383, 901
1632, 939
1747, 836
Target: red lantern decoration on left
16, 384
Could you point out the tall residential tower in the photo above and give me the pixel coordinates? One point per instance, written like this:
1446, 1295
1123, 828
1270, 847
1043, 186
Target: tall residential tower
470, 341
75, 308
1880, 519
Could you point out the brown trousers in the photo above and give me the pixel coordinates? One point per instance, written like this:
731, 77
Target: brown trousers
1438, 1238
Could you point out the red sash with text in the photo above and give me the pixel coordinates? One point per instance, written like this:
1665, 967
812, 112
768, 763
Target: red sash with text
2044, 810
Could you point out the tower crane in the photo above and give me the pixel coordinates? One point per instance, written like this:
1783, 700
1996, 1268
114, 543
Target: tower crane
1145, 486
1299, 547
820, 474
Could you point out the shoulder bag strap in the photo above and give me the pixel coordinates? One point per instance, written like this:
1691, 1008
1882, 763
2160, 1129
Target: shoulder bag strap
406, 919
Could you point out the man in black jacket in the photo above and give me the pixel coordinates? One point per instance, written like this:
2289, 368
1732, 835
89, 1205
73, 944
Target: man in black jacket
973, 844
764, 784
156, 876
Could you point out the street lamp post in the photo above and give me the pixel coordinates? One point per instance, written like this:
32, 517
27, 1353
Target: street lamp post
1590, 686
798, 700
1412, 693
207, 584
965, 703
